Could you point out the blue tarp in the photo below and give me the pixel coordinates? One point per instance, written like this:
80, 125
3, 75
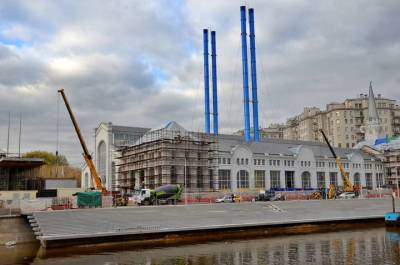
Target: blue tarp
381, 141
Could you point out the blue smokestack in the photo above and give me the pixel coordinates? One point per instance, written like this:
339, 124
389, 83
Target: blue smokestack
214, 81
245, 75
253, 75
206, 83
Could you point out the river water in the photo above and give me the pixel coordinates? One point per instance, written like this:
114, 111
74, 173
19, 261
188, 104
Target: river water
372, 246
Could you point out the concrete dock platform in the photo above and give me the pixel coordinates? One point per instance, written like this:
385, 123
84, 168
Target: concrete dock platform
88, 226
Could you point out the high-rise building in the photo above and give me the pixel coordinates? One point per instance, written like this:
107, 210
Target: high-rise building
347, 123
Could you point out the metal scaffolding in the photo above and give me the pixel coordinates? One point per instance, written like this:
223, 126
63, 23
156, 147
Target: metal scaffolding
167, 156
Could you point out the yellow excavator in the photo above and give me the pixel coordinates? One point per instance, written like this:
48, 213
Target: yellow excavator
347, 185
88, 158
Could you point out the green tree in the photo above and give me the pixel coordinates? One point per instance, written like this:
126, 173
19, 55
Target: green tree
48, 157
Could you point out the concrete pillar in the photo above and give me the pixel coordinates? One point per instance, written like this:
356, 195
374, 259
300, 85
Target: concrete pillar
313, 178
282, 178
233, 180
252, 176
267, 180
297, 178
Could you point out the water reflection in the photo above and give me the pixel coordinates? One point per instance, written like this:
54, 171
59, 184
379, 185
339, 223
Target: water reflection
18, 254
373, 246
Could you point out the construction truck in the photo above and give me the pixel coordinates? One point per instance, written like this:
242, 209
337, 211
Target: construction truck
166, 194
347, 185
86, 155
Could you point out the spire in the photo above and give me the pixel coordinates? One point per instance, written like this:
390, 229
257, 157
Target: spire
373, 130
373, 118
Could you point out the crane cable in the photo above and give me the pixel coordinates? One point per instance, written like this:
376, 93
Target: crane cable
57, 132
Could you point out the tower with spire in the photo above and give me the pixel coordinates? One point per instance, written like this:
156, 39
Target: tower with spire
374, 129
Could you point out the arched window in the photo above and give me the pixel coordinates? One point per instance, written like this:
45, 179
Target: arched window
243, 179
306, 180
102, 161
357, 180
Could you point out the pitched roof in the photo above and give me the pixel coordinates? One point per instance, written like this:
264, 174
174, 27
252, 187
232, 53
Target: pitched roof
284, 147
118, 128
171, 130
380, 144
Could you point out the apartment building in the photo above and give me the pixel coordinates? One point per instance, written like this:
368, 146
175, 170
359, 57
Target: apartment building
273, 131
347, 123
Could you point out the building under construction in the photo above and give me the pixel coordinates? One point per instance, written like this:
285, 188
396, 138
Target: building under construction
227, 163
169, 155
18, 173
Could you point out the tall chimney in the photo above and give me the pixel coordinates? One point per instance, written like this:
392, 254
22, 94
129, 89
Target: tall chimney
206, 83
253, 75
214, 81
245, 75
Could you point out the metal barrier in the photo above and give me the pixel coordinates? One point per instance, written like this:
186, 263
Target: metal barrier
7, 209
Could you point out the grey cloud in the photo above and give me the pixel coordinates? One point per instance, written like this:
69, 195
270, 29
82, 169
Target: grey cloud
107, 88
15, 70
6, 53
309, 53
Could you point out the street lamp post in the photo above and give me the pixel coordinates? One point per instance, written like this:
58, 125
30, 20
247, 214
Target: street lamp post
379, 187
184, 175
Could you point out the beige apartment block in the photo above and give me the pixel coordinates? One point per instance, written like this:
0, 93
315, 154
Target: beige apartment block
274, 131
344, 123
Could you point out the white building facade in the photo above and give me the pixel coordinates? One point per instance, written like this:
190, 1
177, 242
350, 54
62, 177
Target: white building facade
269, 164
292, 165
108, 138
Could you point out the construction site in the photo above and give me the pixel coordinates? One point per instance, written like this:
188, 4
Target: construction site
32, 174
207, 165
169, 155
313, 186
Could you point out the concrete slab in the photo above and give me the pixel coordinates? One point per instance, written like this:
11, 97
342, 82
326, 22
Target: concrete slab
91, 223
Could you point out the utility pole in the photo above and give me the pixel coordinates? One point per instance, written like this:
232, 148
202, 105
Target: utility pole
19, 139
8, 133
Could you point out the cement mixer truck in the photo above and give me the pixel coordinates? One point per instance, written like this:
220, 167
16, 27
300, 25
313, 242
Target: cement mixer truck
166, 194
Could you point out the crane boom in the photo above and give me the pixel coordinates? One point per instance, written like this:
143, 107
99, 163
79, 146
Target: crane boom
88, 158
348, 186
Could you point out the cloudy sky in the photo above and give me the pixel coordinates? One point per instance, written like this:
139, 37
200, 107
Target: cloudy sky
140, 63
